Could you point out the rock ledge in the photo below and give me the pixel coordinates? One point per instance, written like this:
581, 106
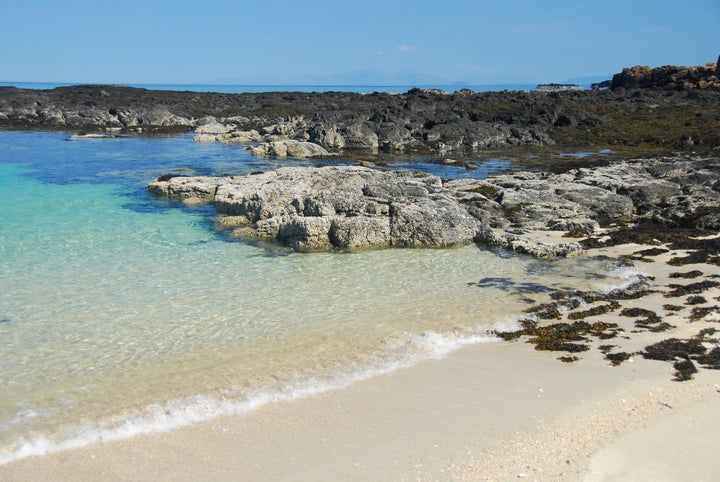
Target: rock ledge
354, 207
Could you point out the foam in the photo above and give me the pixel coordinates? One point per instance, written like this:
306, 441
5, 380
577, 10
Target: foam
183, 412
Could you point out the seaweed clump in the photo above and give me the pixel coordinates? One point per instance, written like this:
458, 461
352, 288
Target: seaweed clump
568, 359
643, 254
594, 311
703, 251
690, 289
568, 337
672, 348
710, 360
617, 358
684, 370
688, 275
646, 319
683, 352
700, 312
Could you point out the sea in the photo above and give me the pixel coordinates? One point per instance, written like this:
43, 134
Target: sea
243, 88
122, 313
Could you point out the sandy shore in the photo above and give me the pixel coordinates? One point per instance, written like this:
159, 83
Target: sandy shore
494, 411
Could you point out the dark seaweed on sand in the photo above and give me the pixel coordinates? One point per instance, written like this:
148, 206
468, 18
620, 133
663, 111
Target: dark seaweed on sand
689, 289
689, 275
617, 358
684, 370
673, 348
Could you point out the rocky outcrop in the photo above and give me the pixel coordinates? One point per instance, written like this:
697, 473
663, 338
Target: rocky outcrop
669, 77
358, 207
343, 207
422, 121
289, 148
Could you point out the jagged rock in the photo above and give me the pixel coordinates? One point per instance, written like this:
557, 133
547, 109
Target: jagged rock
346, 207
669, 77
528, 244
288, 148
241, 137
360, 232
185, 187
431, 221
360, 207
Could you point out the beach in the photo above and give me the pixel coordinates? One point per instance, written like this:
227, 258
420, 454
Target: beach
490, 411
378, 241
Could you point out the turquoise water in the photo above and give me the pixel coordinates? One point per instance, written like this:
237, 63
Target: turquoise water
122, 313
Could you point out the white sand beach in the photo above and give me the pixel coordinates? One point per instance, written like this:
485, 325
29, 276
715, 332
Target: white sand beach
493, 411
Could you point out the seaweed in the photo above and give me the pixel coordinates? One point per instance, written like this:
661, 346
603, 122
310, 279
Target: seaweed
689, 275
548, 311
605, 331
696, 300
558, 345
705, 332
508, 335
692, 288
684, 370
647, 319
651, 252
605, 349
672, 348
617, 358
663, 326
594, 311
167, 177
703, 251
673, 308
709, 360
564, 336
700, 312
568, 359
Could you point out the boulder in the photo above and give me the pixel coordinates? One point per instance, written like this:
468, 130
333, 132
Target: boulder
288, 148
185, 187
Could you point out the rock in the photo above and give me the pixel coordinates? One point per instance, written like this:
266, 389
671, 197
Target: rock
360, 232
288, 148
213, 127
211, 130
185, 187
431, 221
343, 207
528, 244
240, 137
205, 137
359, 207
416, 121
306, 232
668, 77
76, 137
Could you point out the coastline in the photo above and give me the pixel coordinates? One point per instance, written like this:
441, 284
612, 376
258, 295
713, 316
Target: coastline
485, 412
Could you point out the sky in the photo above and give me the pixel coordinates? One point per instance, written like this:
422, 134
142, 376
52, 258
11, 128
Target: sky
336, 42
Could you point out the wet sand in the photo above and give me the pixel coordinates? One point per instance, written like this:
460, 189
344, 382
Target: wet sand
493, 411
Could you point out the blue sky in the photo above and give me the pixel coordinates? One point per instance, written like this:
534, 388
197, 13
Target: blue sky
356, 42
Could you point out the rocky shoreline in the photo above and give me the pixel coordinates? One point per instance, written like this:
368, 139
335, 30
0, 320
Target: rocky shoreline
354, 207
662, 110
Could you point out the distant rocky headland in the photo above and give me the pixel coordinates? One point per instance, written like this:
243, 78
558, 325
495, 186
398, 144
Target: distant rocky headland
658, 110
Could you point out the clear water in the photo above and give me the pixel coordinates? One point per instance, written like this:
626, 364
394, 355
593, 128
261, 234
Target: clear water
122, 313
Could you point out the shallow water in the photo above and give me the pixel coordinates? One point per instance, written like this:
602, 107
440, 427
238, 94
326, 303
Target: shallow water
122, 313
